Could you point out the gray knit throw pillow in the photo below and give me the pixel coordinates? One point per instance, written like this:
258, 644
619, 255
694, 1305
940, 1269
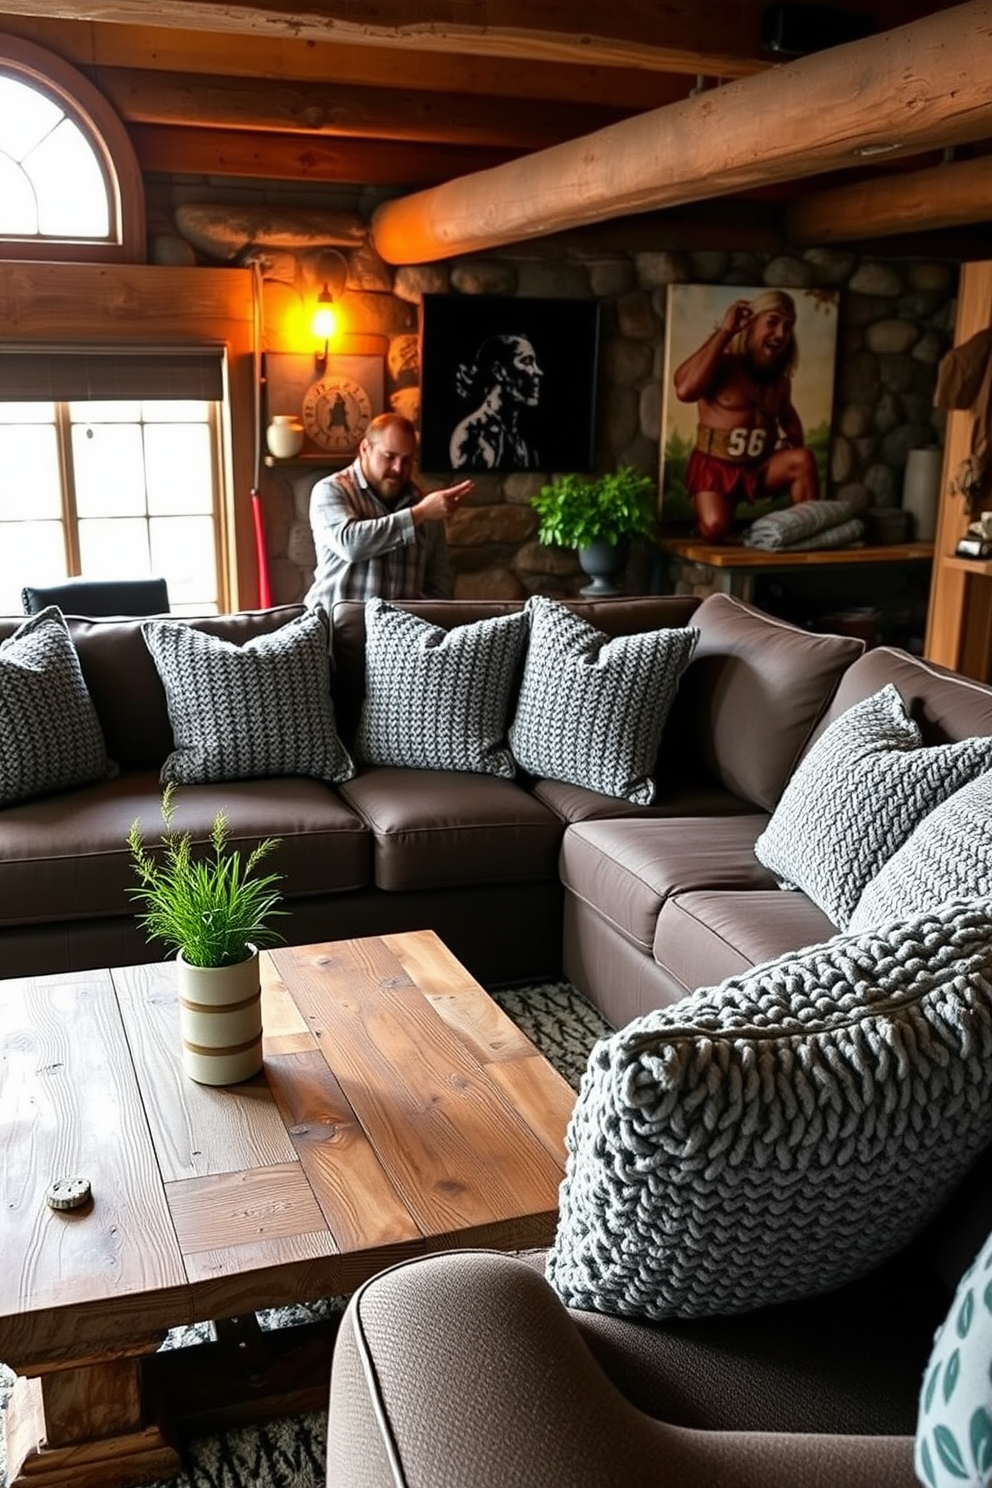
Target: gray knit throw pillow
592, 710
856, 797
438, 699
243, 712
50, 735
782, 1133
949, 856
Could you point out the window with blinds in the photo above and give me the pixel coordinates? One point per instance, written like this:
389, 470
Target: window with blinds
110, 467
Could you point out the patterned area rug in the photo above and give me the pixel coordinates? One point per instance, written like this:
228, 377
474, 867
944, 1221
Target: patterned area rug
289, 1453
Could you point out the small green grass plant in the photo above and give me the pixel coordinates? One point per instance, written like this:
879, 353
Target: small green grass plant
211, 908
611, 508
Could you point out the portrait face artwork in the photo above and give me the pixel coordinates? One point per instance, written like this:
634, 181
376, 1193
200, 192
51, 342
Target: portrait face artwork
507, 384
748, 385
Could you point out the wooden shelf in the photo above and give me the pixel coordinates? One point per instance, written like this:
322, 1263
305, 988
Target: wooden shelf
738, 567
980, 568
735, 555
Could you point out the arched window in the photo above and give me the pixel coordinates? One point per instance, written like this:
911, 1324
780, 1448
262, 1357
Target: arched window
70, 185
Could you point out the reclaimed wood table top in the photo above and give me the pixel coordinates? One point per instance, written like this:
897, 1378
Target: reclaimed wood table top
399, 1111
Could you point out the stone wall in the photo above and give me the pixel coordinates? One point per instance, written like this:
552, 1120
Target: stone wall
896, 322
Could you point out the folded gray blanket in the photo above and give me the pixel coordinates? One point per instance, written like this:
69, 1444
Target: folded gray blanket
849, 534
811, 524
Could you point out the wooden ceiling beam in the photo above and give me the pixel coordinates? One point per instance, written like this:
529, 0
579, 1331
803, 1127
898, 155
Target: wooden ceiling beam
147, 97
949, 195
908, 90
285, 157
677, 37
164, 49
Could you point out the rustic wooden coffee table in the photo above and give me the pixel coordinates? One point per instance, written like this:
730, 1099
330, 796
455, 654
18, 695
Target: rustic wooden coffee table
399, 1111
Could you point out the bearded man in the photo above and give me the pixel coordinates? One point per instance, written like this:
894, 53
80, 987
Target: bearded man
749, 438
376, 534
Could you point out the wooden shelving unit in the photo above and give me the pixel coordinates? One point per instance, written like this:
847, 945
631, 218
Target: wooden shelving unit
959, 619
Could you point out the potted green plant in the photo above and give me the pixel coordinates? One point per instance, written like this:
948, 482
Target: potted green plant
213, 910
597, 517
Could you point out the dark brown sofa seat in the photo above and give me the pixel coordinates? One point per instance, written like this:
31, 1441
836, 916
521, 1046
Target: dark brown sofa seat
64, 863
464, 854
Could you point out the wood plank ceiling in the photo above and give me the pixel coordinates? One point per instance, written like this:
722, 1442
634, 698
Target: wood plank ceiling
490, 121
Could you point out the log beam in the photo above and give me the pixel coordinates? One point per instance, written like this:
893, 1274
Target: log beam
915, 88
949, 195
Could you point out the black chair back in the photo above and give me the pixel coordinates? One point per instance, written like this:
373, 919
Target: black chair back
89, 597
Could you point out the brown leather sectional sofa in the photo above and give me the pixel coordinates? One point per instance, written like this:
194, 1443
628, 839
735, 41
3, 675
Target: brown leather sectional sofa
467, 1370
466, 855
525, 878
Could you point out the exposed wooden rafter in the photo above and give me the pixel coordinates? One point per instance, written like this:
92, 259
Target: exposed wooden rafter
682, 36
948, 195
290, 157
267, 59
676, 37
904, 91
143, 96
511, 120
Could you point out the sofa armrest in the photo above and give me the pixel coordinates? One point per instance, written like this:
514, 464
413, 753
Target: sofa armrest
464, 1370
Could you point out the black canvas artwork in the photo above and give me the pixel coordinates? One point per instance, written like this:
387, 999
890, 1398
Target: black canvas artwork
507, 384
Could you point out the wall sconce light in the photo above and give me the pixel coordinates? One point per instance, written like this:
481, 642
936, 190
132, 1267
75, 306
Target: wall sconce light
323, 325
328, 268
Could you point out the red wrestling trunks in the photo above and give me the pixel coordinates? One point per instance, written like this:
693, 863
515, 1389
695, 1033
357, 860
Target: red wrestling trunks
726, 477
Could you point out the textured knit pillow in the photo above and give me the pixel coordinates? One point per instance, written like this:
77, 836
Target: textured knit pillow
782, 1133
240, 712
954, 1426
857, 796
50, 736
438, 699
949, 856
592, 710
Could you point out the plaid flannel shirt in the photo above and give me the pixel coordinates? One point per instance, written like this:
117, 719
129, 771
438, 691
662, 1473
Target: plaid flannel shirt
367, 549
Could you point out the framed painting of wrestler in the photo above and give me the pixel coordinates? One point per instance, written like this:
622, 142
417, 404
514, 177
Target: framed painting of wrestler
507, 383
747, 401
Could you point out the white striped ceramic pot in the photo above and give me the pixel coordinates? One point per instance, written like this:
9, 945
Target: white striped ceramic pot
220, 1021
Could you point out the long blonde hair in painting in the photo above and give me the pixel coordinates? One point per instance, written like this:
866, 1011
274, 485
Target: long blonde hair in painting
769, 299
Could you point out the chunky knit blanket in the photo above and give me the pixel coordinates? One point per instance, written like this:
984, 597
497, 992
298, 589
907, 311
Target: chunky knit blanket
811, 524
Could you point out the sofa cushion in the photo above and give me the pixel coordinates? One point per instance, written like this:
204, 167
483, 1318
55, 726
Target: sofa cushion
757, 1372
591, 710
857, 796
246, 711
438, 829
66, 858
626, 870
50, 735
438, 699
948, 856
782, 1133
751, 697
954, 1428
706, 935
674, 797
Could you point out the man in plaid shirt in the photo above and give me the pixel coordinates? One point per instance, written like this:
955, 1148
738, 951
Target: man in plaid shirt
376, 534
